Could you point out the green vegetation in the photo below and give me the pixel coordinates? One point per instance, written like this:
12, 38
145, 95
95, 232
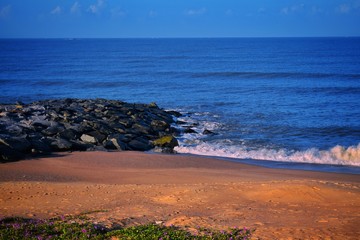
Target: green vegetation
81, 228
152, 231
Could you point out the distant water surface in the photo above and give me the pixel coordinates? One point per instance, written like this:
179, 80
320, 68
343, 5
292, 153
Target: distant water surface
280, 99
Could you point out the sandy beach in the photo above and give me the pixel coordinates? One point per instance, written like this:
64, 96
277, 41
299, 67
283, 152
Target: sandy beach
127, 188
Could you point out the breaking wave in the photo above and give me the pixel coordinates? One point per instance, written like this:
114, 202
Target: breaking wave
337, 155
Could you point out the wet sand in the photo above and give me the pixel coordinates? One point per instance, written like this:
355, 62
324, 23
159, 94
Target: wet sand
127, 188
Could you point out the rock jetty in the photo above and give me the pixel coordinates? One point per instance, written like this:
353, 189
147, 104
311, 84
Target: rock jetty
50, 126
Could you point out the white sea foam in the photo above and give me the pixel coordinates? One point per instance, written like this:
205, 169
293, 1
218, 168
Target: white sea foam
337, 155
199, 125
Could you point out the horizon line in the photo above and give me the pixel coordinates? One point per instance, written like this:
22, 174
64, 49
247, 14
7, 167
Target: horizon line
76, 38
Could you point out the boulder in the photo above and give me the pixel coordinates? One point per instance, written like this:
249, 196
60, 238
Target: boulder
82, 124
69, 134
19, 143
80, 146
153, 105
14, 129
115, 143
141, 128
8, 154
159, 125
174, 113
87, 138
40, 145
189, 130
62, 145
99, 137
208, 132
140, 144
51, 131
167, 141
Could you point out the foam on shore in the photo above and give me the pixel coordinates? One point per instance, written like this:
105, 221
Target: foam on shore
337, 155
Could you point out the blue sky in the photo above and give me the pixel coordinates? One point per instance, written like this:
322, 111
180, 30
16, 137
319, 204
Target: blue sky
178, 18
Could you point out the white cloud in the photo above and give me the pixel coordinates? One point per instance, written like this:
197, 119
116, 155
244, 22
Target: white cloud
292, 9
315, 10
348, 7
75, 8
95, 8
56, 10
5, 11
192, 12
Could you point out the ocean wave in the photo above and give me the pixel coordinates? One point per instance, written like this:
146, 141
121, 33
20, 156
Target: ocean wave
271, 75
50, 83
337, 155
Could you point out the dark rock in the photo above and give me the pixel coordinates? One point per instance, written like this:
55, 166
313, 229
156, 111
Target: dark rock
128, 137
153, 105
97, 148
167, 150
117, 127
189, 130
14, 129
115, 143
159, 125
92, 124
140, 144
175, 131
99, 137
141, 127
40, 146
39, 126
18, 143
165, 117
208, 132
51, 131
76, 124
61, 144
68, 101
126, 122
69, 134
8, 154
174, 113
108, 144
78, 128
80, 146
105, 130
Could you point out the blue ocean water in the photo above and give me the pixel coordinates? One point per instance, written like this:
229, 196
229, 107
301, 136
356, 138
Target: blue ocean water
278, 99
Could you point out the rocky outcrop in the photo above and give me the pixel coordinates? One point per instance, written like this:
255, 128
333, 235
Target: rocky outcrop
82, 125
166, 143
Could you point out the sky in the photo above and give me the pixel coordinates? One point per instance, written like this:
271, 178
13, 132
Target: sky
178, 18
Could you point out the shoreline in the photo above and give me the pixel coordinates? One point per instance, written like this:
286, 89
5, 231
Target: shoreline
301, 166
131, 188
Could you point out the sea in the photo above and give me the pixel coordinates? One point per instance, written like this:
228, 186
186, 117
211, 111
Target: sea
275, 102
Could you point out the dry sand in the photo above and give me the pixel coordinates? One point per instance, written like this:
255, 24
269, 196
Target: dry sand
130, 188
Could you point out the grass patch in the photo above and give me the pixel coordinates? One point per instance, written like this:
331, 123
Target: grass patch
80, 228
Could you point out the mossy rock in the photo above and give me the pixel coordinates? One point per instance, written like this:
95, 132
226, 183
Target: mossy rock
166, 141
153, 105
